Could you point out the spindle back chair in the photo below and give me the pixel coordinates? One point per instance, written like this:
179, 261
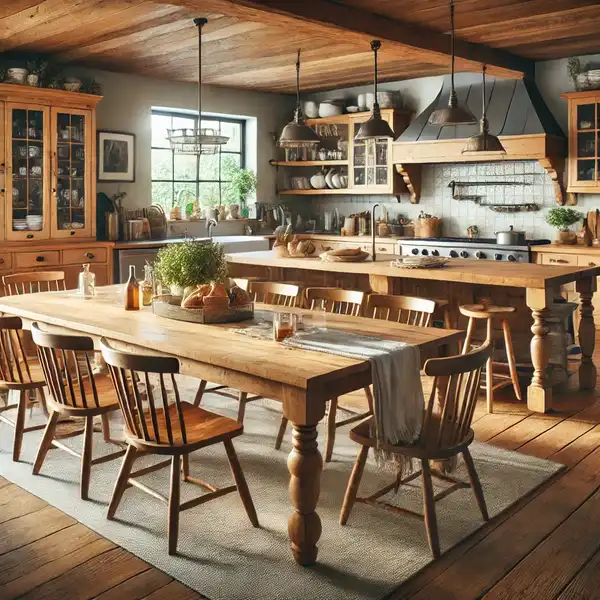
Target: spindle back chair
278, 294
37, 281
401, 309
335, 300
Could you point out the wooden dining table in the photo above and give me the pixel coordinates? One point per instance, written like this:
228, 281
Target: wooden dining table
302, 380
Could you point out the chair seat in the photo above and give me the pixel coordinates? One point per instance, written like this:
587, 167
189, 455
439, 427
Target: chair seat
203, 428
37, 377
479, 311
424, 448
107, 397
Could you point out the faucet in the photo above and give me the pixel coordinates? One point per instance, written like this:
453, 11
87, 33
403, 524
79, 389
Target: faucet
210, 223
373, 253
280, 208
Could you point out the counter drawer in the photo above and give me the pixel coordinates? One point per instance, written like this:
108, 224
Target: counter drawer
589, 260
27, 260
5, 261
559, 260
78, 256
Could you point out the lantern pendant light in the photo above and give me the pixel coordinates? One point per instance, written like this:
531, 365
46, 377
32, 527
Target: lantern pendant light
453, 114
297, 134
197, 140
375, 127
484, 141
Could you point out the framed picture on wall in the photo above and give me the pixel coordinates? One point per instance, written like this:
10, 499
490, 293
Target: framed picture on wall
116, 156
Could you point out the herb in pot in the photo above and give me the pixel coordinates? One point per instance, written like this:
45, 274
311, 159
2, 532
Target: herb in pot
561, 219
242, 183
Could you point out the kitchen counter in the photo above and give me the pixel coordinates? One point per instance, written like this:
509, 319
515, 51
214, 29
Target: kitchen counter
567, 249
224, 239
351, 239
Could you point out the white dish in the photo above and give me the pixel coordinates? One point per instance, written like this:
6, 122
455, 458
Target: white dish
352, 109
326, 109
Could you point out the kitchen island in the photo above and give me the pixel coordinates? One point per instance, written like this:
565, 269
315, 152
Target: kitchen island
531, 288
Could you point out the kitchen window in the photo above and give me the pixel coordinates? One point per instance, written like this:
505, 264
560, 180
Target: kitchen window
205, 177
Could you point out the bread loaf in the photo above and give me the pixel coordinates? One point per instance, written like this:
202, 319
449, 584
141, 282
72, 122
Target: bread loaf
196, 298
346, 252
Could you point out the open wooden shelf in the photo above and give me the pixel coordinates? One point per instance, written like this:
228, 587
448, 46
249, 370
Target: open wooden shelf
314, 192
309, 163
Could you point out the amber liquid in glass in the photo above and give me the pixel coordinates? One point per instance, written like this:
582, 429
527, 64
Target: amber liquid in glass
132, 291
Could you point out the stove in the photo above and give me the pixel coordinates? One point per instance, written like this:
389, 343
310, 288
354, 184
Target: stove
469, 248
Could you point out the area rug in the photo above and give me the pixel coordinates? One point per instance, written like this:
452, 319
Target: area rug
224, 558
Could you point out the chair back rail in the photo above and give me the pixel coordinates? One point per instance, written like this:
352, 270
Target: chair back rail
29, 283
335, 300
127, 370
279, 294
402, 309
14, 364
65, 361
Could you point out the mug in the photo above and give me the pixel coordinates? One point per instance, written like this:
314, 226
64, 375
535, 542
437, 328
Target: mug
36, 171
23, 171
34, 151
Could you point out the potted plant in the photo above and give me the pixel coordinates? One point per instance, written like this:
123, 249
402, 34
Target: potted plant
183, 267
37, 69
561, 219
242, 183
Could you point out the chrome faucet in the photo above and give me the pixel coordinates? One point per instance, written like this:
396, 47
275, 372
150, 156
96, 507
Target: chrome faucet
210, 223
280, 208
373, 253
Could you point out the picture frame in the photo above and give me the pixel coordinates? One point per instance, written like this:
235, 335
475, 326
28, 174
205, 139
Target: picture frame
116, 156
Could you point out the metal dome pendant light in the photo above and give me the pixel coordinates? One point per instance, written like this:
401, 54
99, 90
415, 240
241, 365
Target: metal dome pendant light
375, 127
197, 140
484, 141
297, 134
453, 114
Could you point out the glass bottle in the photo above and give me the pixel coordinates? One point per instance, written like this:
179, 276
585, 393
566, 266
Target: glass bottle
132, 291
86, 286
147, 286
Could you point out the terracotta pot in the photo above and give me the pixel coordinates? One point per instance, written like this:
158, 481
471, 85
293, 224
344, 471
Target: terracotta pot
566, 237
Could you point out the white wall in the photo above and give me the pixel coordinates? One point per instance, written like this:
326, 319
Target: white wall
127, 105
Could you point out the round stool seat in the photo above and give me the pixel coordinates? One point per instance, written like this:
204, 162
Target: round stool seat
479, 311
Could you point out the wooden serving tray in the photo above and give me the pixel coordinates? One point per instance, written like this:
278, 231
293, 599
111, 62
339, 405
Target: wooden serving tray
169, 307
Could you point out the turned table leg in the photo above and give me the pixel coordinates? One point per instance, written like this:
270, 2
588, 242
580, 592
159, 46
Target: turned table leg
305, 464
587, 333
539, 392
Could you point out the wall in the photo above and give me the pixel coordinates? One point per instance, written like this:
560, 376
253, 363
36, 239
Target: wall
127, 104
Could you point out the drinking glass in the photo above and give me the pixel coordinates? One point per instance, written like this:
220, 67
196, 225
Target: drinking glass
283, 326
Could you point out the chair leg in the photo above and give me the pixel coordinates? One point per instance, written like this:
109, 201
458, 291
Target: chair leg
281, 432
467, 343
489, 373
331, 429
200, 393
369, 395
122, 479
429, 510
240, 481
174, 497
46, 442
242, 407
105, 427
476, 484
42, 399
20, 424
512, 365
86, 456
353, 484
185, 466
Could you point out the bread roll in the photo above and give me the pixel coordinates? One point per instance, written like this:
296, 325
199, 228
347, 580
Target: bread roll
239, 296
196, 298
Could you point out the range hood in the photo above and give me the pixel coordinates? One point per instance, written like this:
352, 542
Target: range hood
517, 114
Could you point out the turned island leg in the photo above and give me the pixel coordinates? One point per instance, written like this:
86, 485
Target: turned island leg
587, 333
539, 392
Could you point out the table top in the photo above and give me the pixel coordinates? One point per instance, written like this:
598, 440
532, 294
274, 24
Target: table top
483, 272
216, 345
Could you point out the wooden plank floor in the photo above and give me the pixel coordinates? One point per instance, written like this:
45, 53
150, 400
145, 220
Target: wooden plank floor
545, 547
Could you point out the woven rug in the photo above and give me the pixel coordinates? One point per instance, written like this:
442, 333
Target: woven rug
224, 558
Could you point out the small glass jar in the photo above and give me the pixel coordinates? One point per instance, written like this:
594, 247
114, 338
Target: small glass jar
86, 285
283, 326
147, 286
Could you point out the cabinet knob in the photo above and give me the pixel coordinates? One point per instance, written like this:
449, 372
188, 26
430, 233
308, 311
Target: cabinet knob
72, 232
30, 236
39, 259
592, 264
89, 255
1, 261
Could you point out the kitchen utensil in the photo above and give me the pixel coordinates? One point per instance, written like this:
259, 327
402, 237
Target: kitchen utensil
72, 84
510, 237
112, 226
328, 109
385, 99
329, 178
419, 262
428, 226
328, 257
322, 154
158, 222
383, 230
336, 181
350, 225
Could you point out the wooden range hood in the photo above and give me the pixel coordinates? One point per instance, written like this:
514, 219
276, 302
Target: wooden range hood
516, 112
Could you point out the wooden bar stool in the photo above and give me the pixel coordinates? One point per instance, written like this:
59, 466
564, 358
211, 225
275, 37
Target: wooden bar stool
491, 313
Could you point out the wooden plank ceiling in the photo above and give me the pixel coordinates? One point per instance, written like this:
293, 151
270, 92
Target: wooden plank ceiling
251, 44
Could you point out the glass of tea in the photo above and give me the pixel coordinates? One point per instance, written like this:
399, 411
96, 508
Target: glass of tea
283, 326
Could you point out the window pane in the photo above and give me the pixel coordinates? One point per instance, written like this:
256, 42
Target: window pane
210, 124
162, 165
185, 195
185, 166
209, 167
162, 195
234, 132
229, 163
183, 122
160, 124
209, 194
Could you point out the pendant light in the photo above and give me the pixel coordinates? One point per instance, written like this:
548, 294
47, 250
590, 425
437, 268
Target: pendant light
375, 127
453, 114
297, 134
197, 140
484, 141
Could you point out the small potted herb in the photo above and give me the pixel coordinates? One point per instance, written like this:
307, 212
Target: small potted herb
242, 183
561, 219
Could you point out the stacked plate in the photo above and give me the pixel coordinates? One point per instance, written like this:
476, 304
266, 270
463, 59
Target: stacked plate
34, 222
20, 225
594, 77
419, 262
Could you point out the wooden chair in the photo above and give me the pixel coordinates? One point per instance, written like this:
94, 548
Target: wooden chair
401, 309
74, 392
490, 314
20, 376
36, 281
277, 294
173, 429
345, 302
446, 433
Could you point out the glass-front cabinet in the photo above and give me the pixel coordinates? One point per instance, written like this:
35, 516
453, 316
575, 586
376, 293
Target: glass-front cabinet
370, 164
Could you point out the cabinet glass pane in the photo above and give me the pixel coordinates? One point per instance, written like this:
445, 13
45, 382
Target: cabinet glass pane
28, 169
70, 171
381, 153
586, 170
586, 144
359, 176
381, 176
586, 116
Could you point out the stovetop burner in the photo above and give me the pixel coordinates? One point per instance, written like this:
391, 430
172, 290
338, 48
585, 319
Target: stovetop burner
480, 241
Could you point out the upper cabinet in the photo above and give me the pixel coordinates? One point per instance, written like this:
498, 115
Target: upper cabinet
584, 138
48, 163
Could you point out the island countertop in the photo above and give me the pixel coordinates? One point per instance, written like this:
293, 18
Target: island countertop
521, 275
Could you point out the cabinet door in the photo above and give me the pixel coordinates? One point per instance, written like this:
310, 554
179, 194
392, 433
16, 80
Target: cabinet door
583, 151
27, 172
72, 184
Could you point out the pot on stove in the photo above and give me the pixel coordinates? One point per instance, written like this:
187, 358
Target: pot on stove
510, 237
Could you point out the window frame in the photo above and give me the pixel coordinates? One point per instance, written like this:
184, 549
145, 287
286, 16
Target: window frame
206, 117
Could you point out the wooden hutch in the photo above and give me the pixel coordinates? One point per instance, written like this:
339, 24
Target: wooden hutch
48, 183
